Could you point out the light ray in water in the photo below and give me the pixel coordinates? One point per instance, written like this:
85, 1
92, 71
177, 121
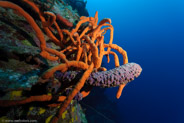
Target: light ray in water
111, 121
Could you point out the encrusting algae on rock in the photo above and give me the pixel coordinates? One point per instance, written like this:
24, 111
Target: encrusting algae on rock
64, 60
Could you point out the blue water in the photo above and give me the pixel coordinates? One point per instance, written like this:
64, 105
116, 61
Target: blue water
152, 33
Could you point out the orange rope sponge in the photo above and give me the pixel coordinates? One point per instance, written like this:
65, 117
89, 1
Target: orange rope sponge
82, 48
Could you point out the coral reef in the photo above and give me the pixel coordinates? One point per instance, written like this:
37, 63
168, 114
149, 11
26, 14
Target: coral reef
55, 61
79, 5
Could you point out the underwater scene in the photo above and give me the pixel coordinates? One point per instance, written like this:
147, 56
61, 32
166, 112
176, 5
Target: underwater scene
91, 61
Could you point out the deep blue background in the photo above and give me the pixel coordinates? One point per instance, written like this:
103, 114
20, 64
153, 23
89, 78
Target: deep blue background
152, 33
